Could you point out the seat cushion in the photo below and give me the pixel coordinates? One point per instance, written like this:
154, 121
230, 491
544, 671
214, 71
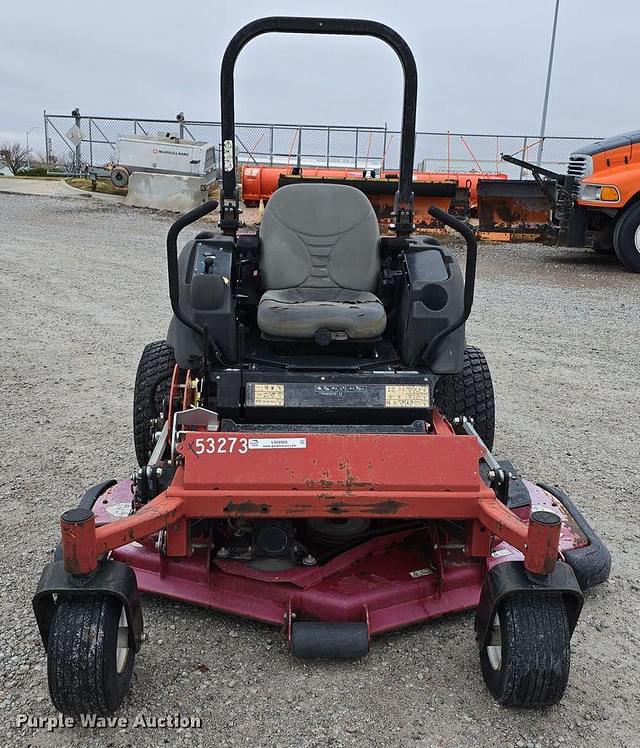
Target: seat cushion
319, 236
301, 312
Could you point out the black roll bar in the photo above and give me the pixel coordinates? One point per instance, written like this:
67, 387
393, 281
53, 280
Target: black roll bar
340, 26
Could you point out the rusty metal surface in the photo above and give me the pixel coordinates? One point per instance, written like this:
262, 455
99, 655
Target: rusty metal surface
543, 542
77, 539
258, 475
331, 464
383, 207
381, 194
259, 181
513, 210
349, 475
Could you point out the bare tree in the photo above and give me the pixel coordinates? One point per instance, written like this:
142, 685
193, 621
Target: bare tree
40, 159
14, 155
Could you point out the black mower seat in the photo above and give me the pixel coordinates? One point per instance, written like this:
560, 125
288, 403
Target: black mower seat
320, 263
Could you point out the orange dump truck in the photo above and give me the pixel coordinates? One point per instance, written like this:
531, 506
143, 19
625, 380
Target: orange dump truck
597, 202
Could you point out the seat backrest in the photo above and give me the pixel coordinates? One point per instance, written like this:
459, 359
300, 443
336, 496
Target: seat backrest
319, 236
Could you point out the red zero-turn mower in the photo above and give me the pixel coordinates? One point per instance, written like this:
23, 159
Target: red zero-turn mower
314, 445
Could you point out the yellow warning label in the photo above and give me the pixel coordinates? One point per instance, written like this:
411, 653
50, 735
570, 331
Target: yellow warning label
406, 396
268, 394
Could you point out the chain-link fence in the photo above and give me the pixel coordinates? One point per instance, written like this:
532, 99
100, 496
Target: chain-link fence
77, 141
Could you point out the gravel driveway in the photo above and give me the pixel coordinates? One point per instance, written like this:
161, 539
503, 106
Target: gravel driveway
83, 288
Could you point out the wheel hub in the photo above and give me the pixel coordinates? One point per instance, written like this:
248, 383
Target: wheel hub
122, 643
494, 647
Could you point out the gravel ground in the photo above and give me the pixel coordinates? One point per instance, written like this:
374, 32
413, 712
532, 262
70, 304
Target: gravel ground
51, 188
83, 289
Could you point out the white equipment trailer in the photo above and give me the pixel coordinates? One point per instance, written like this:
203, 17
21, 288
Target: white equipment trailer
163, 154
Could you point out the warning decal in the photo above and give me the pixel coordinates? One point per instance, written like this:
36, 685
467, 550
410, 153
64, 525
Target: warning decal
268, 394
407, 396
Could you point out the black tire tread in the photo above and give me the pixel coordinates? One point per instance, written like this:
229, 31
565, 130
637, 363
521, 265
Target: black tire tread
470, 393
536, 652
623, 239
153, 379
76, 656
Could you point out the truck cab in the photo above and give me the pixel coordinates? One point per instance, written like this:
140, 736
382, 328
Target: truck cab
596, 203
603, 189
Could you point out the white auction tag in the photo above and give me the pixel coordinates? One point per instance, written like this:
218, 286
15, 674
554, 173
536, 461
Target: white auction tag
275, 443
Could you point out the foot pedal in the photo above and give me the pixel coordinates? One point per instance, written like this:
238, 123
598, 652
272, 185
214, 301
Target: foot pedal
321, 639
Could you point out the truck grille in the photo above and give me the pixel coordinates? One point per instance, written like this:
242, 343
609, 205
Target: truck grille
579, 166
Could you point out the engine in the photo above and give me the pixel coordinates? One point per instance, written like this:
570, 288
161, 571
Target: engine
270, 545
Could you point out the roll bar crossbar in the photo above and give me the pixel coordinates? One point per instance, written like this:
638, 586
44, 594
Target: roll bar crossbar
229, 209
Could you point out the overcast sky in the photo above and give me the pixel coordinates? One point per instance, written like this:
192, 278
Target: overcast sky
482, 64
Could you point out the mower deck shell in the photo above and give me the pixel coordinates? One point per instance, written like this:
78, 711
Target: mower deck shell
389, 582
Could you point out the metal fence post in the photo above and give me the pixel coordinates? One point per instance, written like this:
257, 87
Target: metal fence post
299, 159
90, 142
78, 119
355, 166
271, 146
328, 146
384, 147
47, 145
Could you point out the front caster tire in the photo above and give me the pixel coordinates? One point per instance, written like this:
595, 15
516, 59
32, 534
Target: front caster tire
89, 658
525, 661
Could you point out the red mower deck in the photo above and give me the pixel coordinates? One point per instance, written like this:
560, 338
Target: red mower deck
388, 582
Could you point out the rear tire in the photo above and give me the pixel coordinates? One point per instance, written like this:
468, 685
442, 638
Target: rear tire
526, 660
470, 393
626, 238
89, 661
153, 380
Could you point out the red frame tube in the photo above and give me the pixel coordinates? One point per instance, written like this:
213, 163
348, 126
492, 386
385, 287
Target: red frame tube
391, 476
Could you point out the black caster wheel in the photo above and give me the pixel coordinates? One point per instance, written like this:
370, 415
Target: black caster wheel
89, 657
525, 661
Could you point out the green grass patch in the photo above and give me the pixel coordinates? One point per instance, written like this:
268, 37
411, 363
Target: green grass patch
102, 185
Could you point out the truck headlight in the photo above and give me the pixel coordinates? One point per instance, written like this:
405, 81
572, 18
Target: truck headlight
599, 193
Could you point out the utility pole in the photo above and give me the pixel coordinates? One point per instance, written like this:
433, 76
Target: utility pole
543, 124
